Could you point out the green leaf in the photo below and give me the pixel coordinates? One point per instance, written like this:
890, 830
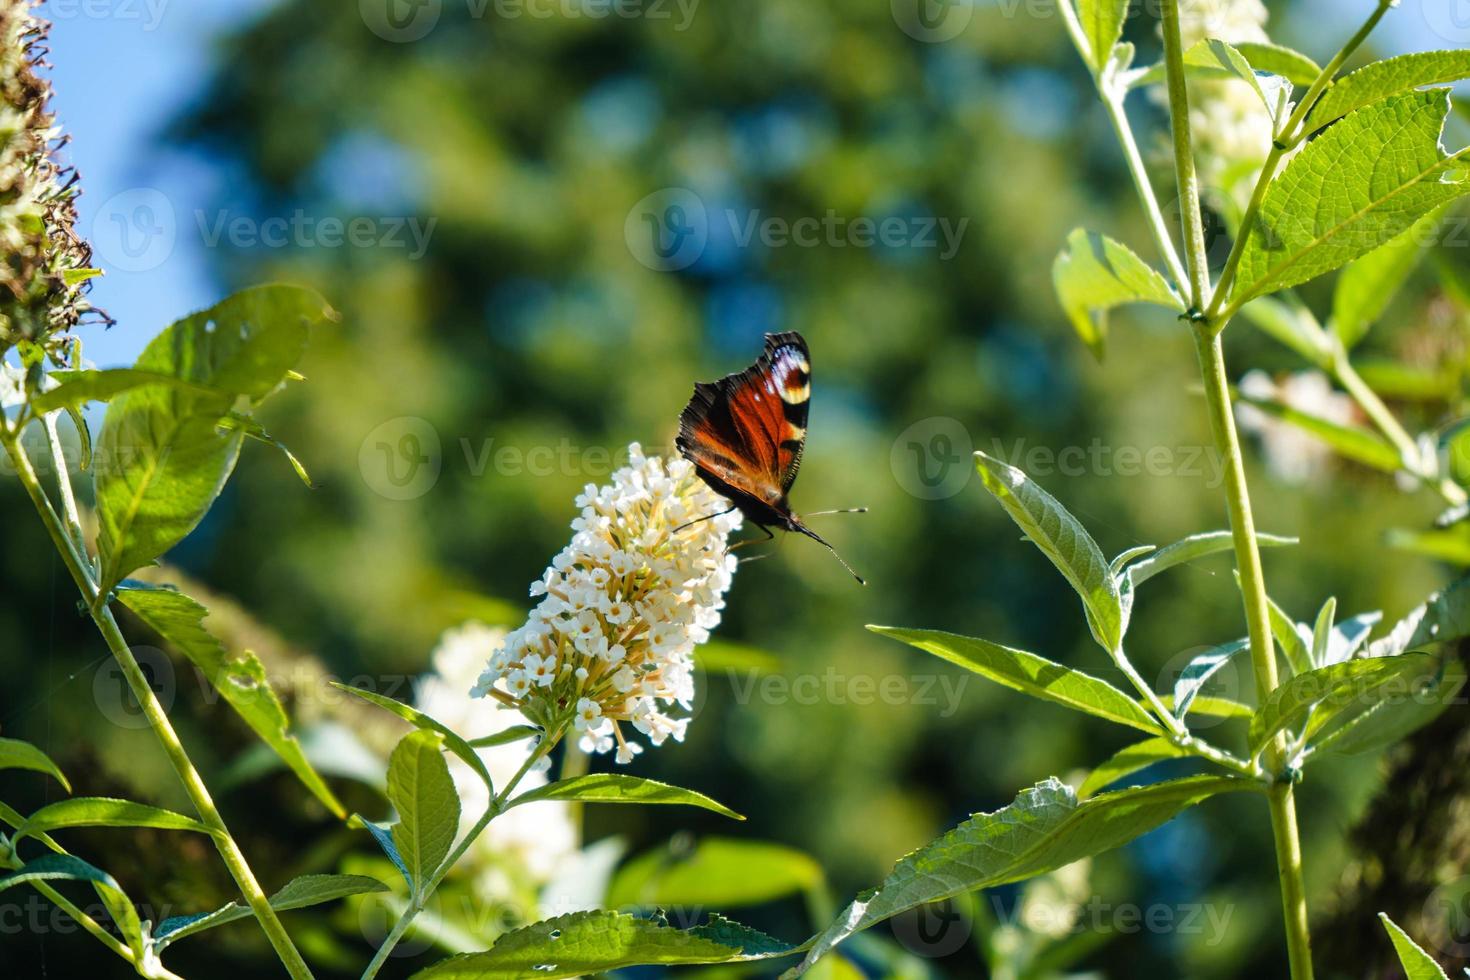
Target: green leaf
1381, 79
56, 867
100, 811
1030, 674
604, 787
1367, 286
1278, 59
421, 790
1365, 181
1322, 632
1129, 760
1043, 829
419, 720
15, 754
1317, 696
243, 345
1349, 635
1387, 722
718, 871
1295, 647
596, 942
383, 834
514, 733
235, 422
157, 473
1093, 274
1293, 326
1443, 618
1063, 539
1193, 547
1197, 673
1213, 707
1360, 445
77, 388
241, 680
297, 893
1417, 964
1102, 25
1219, 58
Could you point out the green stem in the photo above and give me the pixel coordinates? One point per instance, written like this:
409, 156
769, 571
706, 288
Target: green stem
163, 729
421, 897
1184, 172
1113, 104
1263, 655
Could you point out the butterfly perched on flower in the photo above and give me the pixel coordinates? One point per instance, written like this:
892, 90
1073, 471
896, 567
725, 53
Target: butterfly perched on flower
745, 433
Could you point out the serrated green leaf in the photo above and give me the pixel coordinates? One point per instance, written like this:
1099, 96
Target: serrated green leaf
1043, 829
15, 754
1358, 444
418, 719
1387, 722
1093, 274
56, 867
156, 475
1318, 696
1193, 547
421, 790
240, 680
101, 811
1367, 286
1381, 79
1197, 673
605, 787
1417, 964
1030, 674
1102, 25
596, 942
1360, 184
717, 871
297, 893
1129, 760
243, 345
1443, 618
1278, 59
77, 388
1063, 539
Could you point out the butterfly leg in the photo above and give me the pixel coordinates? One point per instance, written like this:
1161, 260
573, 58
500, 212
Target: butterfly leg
707, 517
741, 544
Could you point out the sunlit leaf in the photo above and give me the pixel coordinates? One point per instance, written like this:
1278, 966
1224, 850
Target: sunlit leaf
616, 788
1093, 274
1417, 964
421, 790
1129, 760
1381, 79
15, 754
1318, 696
101, 811
297, 893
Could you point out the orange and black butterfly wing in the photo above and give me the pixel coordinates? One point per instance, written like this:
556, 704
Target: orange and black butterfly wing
745, 433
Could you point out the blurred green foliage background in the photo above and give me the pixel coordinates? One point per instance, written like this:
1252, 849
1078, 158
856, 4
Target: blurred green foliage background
529, 325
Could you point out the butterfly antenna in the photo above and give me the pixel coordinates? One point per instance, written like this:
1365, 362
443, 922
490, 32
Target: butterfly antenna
798, 526
845, 510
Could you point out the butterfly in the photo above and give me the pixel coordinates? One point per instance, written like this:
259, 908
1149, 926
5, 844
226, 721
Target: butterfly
745, 434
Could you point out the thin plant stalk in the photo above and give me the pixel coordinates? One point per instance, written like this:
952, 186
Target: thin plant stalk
80, 568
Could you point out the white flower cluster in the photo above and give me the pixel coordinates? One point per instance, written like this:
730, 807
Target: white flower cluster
527, 842
622, 608
1232, 129
1293, 454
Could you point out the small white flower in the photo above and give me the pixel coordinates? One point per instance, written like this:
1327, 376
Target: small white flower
540, 670
517, 684
627, 751
589, 715
624, 679
616, 611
